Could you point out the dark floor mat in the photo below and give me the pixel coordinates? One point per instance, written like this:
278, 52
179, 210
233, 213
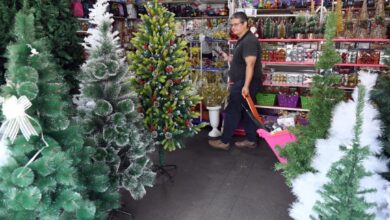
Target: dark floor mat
212, 184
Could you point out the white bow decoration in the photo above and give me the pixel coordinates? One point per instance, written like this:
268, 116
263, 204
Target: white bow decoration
16, 118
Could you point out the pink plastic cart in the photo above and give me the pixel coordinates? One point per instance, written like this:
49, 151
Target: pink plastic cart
280, 138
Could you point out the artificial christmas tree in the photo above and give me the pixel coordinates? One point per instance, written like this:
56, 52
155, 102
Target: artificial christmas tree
107, 110
40, 178
325, 95
161, 80
346, 179
342, 198
381, 96
53, 20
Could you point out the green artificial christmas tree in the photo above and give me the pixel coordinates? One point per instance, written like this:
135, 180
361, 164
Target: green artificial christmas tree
42, 177
325, 95
107, 110
53, 20
342, 197
161, 80
381, 96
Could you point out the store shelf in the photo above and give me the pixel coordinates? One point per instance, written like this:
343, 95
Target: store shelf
288, 63
212, 69
269, 83
290, 40
204, 17
376, 40
370, 40
282, 108
360, 65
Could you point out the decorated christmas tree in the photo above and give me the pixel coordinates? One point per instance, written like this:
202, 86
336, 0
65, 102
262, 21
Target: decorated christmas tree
339, 18
161, 80
325, 95
41, 170
347, 182
342, 197
107, 110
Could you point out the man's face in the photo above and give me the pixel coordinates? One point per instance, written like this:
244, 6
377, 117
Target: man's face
238, 27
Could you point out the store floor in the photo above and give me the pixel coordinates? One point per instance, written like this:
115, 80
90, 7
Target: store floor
213, 184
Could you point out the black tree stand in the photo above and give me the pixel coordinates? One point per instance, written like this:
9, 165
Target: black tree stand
163, 169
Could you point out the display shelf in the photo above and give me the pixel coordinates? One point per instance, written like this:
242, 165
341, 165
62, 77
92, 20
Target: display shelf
204, 17
288, 63
360, 65
290, 40
270, 83
212, 69
282, 108
374, 40
370, 40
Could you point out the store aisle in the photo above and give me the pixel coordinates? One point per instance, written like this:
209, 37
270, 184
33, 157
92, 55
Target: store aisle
212, 184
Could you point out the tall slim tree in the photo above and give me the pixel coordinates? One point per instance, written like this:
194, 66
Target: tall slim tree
107, 110
161, 79
325, 95
41, 178
342, 196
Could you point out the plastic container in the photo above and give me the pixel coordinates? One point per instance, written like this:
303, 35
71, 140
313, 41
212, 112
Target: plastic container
266, 99
278, 139
306, 102
290, 101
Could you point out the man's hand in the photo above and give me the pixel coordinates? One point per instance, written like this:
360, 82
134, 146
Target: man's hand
226, 57
245, 92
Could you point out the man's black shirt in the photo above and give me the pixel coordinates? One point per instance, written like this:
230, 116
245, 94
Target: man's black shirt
248, 45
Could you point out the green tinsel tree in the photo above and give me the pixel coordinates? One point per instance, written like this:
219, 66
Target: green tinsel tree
325, 95
43, 177
342, 197
53, 20
161, 79
381, 96
329, 56
107, 109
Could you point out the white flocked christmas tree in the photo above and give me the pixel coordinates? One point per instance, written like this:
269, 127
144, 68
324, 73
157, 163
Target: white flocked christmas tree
314, 190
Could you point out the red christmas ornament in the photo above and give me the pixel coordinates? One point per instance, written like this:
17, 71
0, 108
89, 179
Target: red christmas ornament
146, 46
141, 82
151, 68
169, 69
171, 42
153, 98
177, 81
170, 110
187, 123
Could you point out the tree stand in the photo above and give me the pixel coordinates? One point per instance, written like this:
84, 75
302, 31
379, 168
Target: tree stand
163, 169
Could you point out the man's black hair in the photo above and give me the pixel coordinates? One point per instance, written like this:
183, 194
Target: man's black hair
240, 15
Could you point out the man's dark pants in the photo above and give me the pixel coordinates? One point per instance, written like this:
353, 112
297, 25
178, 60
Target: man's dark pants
234, 112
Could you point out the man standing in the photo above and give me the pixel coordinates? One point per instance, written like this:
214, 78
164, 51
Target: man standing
245, 75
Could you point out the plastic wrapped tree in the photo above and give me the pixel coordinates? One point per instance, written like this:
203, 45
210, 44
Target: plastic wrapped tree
339, 18
107, 110
42, 170
349, 24
162, 80
363, 21
378, 29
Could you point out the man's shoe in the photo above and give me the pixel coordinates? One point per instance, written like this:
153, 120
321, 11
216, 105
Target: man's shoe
218, 144
246, 144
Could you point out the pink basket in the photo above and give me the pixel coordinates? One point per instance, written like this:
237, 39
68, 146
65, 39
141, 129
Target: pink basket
290, 101
279, 139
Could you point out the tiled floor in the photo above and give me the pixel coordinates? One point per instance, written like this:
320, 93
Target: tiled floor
212, 184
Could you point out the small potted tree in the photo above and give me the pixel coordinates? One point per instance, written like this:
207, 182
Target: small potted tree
214, 94
299, 26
